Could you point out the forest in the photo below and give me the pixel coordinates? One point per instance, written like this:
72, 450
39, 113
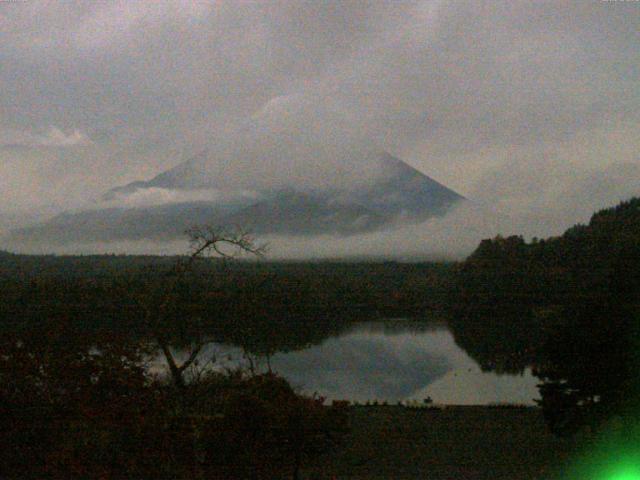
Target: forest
568, 306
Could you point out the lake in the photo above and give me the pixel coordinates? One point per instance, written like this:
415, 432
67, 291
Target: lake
394, 360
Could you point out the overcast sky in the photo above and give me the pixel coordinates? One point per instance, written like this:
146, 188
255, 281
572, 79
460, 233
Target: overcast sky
529, 107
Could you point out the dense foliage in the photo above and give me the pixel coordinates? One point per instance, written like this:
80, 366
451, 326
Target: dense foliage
78, 406
569, 306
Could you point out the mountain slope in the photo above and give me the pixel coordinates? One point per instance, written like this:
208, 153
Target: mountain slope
292, 168
399, 194
296, 213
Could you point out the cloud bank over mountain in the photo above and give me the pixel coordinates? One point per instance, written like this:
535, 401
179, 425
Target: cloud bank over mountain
529, 109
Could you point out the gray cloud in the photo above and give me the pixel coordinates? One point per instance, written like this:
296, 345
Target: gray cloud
530, 108
54, 137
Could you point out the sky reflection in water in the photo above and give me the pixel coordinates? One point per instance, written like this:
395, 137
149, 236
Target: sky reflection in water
392, 361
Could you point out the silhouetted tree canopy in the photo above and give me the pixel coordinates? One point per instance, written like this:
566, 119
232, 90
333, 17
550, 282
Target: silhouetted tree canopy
568, 306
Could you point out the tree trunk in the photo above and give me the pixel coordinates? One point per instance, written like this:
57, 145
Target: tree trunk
176, 373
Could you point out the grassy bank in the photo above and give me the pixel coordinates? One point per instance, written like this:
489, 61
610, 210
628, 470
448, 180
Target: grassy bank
391, 442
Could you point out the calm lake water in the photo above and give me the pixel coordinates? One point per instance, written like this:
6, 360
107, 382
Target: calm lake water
392, 361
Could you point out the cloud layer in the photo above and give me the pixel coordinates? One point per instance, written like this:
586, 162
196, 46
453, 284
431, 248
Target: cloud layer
527, 108
54, 137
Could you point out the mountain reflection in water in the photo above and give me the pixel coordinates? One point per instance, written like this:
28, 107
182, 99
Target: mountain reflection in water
389, 361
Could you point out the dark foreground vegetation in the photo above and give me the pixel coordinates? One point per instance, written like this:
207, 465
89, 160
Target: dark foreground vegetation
77, 399
391, 442
73, 406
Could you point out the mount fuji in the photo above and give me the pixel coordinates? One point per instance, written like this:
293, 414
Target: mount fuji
287, 170
403, 195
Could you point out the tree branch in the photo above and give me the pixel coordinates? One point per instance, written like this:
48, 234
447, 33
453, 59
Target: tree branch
192, 357
204, 239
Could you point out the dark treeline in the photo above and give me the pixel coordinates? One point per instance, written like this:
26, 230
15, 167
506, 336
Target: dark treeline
568, 306
232, 301
393, 287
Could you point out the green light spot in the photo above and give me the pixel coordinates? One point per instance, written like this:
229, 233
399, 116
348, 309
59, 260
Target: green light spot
626, 472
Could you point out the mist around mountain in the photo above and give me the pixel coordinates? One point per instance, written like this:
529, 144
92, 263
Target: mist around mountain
399, 194
274, 176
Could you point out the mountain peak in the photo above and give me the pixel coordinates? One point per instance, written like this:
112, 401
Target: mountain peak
293, 168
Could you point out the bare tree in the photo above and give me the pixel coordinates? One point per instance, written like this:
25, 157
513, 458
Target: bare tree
204, 241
